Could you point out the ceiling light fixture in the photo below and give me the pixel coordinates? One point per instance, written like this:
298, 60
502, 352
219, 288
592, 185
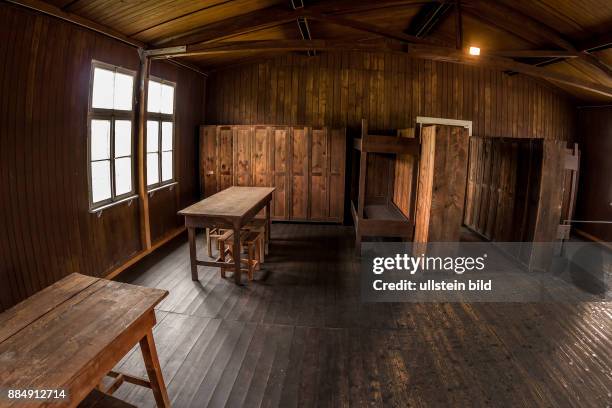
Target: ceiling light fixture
474, 51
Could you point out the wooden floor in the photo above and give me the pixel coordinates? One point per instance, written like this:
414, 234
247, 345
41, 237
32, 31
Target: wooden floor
299, 336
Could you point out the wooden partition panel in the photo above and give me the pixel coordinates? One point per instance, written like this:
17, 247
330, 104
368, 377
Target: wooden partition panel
442, 181
594, 200
503, 186
404, 185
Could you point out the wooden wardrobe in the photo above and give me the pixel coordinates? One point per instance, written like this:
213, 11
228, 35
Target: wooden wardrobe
306, 165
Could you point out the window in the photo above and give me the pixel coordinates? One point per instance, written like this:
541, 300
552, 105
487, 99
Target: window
160, 133
110, 134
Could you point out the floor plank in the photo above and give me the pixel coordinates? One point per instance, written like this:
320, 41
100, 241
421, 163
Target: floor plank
300, 336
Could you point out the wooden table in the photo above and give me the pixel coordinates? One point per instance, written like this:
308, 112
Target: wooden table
231, 208
71, 334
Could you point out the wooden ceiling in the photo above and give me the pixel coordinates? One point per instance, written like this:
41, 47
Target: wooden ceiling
576, 35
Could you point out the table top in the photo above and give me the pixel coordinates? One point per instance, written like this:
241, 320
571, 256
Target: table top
233, 202
50, 338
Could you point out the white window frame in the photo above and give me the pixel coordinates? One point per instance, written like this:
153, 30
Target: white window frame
111, 115
159, 118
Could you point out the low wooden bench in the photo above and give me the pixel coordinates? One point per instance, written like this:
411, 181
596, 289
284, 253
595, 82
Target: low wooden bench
70, 335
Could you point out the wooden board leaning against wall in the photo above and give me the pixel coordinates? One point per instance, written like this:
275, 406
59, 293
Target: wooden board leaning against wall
306, 165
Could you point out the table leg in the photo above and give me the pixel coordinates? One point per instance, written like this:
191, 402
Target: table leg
267, 230
236, 254
149, 355
192, 253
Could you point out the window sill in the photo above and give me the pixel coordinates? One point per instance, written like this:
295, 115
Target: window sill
98, 210
163, 186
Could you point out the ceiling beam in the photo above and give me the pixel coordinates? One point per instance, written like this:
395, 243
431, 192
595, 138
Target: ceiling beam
427, 19
370, 28
515, 22
234, 26
534, 54
436, 53
526, 27
54, 11
271, 46
274, 16
458, 26
504, 64
596, 43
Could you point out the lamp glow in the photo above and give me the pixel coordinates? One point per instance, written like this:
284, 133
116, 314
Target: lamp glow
474, 51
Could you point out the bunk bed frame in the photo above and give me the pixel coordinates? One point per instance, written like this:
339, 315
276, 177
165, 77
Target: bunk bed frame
375, 218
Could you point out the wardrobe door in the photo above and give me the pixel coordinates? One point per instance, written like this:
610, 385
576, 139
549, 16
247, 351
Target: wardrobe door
319, 189
262, 157
280, 172
299, 173
208, 160
337, 160
242, 155
225, 159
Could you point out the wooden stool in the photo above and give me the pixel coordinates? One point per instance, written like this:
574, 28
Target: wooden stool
259, 225
212, 233
251, 240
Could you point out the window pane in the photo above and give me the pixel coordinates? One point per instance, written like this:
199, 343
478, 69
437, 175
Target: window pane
100, 139
166, 136
102, 94
167, 98
152, 168
123, 138
166, 166
123, 175
123, 91
152, 136
100, 181
154, 96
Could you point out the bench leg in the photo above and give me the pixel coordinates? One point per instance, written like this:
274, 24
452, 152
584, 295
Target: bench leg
149, 354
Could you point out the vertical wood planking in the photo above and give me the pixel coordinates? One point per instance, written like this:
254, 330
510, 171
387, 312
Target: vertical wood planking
338, 89
48, 231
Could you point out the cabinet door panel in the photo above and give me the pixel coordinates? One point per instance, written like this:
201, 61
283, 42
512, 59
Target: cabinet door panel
319, 200
225, 160
261, 157
242, 155
337, 160
280, 139
208, 160
299, 173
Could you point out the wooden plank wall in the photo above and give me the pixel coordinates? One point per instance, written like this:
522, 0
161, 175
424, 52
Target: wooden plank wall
47, 231
595, 189
338, 89
164, 204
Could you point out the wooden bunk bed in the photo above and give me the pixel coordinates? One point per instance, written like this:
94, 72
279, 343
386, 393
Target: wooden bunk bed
380, 216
